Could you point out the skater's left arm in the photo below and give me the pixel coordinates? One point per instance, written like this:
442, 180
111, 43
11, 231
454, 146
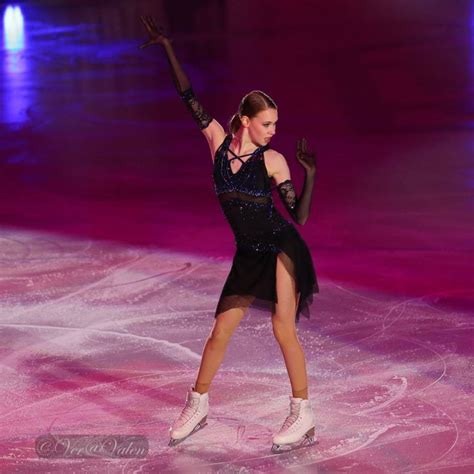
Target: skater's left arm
298, 207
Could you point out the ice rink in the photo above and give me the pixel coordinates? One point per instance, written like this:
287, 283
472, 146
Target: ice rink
113, 248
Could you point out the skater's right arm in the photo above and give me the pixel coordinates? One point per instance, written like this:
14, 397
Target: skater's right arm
211, 129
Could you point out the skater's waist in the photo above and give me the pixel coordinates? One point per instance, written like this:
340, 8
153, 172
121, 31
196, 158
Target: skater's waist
268, 241
258, 198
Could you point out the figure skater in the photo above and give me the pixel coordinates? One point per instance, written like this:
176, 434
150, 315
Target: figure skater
272, 266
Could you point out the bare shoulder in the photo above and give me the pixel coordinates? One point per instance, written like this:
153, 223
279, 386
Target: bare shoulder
215, 135
277, 167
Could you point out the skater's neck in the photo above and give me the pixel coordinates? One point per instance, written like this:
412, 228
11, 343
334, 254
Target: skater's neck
241, 143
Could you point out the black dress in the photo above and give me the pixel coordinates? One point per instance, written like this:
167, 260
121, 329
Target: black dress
260, 233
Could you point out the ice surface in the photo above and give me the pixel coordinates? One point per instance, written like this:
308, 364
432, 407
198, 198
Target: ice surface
113, 249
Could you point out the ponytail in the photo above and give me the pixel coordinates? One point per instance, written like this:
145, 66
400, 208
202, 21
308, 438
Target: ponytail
234, 124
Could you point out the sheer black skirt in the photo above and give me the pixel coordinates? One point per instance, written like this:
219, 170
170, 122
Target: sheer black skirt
261, 234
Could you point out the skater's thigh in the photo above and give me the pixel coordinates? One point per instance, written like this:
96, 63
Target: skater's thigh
285, 308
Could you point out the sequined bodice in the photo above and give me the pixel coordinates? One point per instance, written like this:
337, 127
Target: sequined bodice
246, 200
251, 178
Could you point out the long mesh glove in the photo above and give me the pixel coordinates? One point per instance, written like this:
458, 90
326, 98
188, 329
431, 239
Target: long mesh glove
185, 90
181, 81
299, 207
200, 116
287, 193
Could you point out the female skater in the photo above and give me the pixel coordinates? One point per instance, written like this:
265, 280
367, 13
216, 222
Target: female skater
272, 266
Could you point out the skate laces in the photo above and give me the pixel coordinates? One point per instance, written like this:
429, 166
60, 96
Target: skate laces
292, 417
188, 410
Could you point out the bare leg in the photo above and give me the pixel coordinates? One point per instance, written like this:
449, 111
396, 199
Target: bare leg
284, 327
225, 324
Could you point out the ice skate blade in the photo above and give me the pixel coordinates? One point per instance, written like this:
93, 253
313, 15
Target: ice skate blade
199, 426
307, 440
285, 448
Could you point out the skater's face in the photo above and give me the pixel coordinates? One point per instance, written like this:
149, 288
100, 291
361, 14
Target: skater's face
262, 126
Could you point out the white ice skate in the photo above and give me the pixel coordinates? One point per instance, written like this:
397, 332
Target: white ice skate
297, 430
192, 418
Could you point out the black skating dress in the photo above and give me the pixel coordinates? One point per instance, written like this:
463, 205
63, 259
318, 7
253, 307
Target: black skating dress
260, 234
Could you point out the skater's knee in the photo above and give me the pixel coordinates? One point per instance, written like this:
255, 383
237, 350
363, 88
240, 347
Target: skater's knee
284, 332
224, 326
220, 337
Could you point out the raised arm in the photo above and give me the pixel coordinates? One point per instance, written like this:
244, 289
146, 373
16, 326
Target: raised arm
210, 127
298, 207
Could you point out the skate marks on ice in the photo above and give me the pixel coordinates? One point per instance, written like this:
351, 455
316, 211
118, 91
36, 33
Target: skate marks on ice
389, 382
403, 385
104, 338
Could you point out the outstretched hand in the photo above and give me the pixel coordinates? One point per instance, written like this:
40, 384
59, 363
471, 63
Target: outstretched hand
305, 157
156, 33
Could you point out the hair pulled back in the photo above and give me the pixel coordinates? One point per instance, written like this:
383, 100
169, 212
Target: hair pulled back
251, 104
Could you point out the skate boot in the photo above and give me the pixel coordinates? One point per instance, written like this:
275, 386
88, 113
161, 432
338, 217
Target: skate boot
298, 429
192, 418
